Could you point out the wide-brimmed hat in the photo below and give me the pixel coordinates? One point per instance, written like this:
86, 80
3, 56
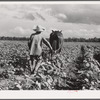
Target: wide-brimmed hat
39, 28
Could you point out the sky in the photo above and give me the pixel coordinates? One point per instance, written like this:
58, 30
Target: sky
75, 20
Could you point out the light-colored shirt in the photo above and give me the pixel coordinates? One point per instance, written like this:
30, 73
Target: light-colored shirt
36, 46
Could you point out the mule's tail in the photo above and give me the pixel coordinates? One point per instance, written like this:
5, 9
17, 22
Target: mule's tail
54, 45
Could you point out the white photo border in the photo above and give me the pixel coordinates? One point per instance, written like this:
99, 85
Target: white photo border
50, 94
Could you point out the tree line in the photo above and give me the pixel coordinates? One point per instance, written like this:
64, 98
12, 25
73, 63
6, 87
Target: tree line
14, 38
95, 39
82, 39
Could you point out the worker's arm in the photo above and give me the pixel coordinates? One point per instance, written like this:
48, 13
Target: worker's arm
47, 43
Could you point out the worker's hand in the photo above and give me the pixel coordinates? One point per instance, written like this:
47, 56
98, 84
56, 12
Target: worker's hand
55, 51
51, 51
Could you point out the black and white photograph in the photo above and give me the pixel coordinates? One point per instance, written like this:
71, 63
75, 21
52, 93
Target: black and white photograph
49, 46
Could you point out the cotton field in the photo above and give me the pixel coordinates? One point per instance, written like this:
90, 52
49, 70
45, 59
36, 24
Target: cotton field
76, 68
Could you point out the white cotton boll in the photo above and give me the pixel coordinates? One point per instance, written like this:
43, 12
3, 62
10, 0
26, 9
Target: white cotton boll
87, 64
83, 88
86, 80
92, 83
19, 86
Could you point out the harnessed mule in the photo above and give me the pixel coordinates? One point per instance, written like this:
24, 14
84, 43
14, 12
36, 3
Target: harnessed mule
56, 41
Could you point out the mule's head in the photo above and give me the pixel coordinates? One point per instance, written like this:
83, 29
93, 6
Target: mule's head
57, 31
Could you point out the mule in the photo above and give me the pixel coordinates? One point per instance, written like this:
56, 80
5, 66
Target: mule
56, 40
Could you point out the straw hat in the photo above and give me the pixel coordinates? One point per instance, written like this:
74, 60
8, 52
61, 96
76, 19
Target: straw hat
39, 29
